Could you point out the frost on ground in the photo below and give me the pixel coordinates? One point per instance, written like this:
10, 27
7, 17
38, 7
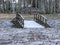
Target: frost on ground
4, 23
54, 23
49, 36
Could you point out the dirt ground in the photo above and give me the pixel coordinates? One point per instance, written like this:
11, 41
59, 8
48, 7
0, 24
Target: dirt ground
7, 16
52, 16
30, 17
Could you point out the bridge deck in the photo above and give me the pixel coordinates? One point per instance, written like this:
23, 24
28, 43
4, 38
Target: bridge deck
32, 24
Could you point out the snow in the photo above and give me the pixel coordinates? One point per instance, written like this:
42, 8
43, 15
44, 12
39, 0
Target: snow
27, 24
29, 36
5, 24
32, 24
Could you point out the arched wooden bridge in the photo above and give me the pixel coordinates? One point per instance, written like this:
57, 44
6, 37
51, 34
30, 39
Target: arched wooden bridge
39, 21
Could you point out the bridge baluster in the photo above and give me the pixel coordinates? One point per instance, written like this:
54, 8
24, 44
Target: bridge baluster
41, 20
19, 22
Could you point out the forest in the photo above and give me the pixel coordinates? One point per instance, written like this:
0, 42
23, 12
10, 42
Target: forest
44, 6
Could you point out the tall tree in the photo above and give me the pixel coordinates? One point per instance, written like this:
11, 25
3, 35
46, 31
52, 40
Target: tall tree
50, 6
46, 6
56, 5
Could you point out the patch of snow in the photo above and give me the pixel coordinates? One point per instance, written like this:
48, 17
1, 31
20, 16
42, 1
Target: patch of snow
5, 24
36, 43
32, 24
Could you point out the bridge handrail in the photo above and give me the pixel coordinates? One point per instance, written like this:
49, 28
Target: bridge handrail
41, 19
21, 16
20, 19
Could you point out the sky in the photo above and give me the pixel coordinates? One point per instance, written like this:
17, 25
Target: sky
16, 0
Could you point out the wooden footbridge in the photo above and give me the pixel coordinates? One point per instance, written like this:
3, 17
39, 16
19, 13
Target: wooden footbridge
39, 21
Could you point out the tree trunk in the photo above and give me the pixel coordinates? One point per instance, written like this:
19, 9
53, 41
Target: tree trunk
46, 6
56, 5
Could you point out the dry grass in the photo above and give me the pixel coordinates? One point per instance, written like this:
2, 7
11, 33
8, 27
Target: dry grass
52, 16
30, 17
11, 16
8, 16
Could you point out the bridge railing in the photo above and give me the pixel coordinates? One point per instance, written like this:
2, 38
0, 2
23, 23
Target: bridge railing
41, 20
20, 19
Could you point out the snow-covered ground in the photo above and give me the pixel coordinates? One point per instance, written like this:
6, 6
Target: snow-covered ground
49, 36
5, 23
32, 24
28, 36
27, 24
54, 23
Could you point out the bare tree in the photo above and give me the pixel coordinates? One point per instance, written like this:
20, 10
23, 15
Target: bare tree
46, 6
56, 5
